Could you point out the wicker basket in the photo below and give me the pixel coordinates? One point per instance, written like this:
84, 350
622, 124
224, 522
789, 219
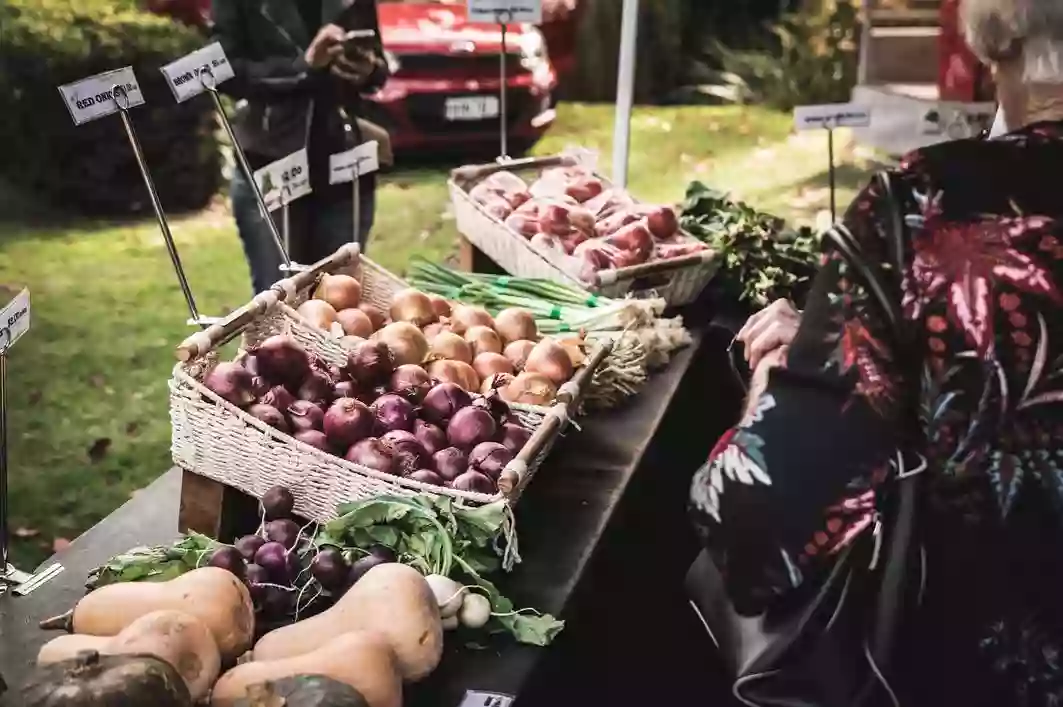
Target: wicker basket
215, 439
677, 280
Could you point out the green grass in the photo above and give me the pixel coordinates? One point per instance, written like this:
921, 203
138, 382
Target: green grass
88, 384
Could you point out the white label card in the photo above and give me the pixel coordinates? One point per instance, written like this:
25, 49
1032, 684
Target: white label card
506, 11
358, 161
958, 120
485, 699
285, 180
14, 319
92, 98
183, 75
832, 115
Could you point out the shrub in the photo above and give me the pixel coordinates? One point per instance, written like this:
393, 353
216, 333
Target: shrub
91, 167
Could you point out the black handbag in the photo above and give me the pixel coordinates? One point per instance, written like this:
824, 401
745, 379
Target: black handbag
830, 644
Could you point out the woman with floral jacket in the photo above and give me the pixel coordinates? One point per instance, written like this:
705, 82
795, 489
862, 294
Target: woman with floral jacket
982, 287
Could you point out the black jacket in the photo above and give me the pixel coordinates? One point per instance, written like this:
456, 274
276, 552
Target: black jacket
265, 41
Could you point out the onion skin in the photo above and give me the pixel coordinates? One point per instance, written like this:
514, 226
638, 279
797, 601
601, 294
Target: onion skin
406, 342
317, 388
270, 415
463, 317
411, 382
340, 291
517, 352
279, 397
551, 360
529, 389
495, 382
355, 322
433, 330
489, 363
470, 381
347, 422
370, 363
412, 306
305, 415
516, 324
443, 401
457, 372
282, 361
483, 339
318, 312
440, 306
231, 382
345, 389
446, 345
376, 317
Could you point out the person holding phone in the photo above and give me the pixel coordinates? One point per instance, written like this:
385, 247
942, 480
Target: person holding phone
301, 68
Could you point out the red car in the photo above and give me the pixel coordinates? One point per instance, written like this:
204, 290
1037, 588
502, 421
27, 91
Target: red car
446, 74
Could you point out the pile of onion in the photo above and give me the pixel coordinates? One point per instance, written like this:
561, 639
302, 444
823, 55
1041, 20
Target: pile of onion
340, 291
414, 307
406, 342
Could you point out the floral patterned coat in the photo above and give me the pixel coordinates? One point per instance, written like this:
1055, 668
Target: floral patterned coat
796, 480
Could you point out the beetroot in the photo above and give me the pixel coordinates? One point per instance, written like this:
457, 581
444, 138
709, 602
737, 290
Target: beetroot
489, 458
317, 388
475, 482
411, 382
305, 415
443, 401
450, 463
393, 412
315, 438
514, 437
231, 382
347, 421
373, 454
279, 397
470, 426
426, 476
270, 415
431, 437
370, 363
282, 361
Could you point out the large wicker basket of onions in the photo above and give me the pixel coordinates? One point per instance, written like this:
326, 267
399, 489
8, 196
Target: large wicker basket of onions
310, 404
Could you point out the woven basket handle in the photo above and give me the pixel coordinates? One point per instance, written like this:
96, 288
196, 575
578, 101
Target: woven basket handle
202, 342
608, 277
468, 175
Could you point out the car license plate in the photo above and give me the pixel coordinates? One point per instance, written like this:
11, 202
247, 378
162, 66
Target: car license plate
472, 108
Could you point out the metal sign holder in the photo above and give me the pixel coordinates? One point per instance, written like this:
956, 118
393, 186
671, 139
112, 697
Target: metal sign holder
206, 77
830, 173
503, 17
356, 202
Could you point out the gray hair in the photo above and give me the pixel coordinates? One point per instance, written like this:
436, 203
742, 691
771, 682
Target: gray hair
1002, 30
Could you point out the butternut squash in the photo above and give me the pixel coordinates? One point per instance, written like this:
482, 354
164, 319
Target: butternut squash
92, 680
361, 659
213, 595
391, 599
303, 691
175, 637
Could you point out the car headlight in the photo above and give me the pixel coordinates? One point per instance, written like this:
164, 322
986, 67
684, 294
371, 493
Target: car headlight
532, 49
393, 62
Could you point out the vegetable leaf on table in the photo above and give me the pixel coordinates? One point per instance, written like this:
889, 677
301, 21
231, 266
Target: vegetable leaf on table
153, 564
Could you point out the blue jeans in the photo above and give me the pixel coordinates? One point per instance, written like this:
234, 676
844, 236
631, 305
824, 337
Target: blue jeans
319, 225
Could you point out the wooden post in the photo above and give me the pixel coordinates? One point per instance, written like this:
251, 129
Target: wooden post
214, 509
472, 259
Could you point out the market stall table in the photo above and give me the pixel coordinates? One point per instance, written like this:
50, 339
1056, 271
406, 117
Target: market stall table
561, 520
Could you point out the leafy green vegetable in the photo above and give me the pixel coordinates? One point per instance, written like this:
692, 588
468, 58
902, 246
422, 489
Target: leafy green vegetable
153, 564
762, 259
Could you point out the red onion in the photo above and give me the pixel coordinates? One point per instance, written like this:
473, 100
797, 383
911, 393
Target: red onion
495, 405
251, 364
346, 422
282, 361
443, 400
426, 476
279, 397
409, 454
305, 415
232, 382
259, 387
270, 415
370, 363
450, 463
514, 437
473, 481
317, 388
431, 437
470, 426
374, 454
411, 382
393, 412
315, 438
489, 458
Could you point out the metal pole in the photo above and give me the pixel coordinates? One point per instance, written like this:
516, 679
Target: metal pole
830, 172
5, 542
285, 223
504, 17
207, 78
121, 100
356, 201
625, 91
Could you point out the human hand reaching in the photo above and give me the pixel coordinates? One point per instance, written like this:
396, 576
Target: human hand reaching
326, 46
771, 329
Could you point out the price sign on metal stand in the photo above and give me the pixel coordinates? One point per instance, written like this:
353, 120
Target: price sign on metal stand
117, 92
829, 117
280, 183
14, 322
474, 698
957, 121
201, 72
349, 166
502, 13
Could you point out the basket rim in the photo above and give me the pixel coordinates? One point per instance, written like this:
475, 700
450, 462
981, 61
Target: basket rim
254, 422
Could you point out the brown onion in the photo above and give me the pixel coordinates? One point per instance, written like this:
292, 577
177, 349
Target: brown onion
355, 322
516, 324
489, 363
406, 342
463, 317
550, 359
349, 342
375, 315
530, 389
517, 352
450, 346
483, 339
412, 306
318, 312
341, 291
435, 329
493, 382
440, 306
445, 370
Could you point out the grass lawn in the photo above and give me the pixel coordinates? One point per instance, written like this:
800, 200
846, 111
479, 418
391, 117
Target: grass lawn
88, 393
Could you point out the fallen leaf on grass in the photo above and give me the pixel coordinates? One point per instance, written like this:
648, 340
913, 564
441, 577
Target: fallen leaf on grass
60, 544
34, 397
99, 448
97, 380
26, 533
132, 428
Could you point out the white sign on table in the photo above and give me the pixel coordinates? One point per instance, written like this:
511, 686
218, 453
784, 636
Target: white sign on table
92, 98
14, 320
358, 161
183, 75
474, 698
506, 11
285, 180
958, 120
829, 116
